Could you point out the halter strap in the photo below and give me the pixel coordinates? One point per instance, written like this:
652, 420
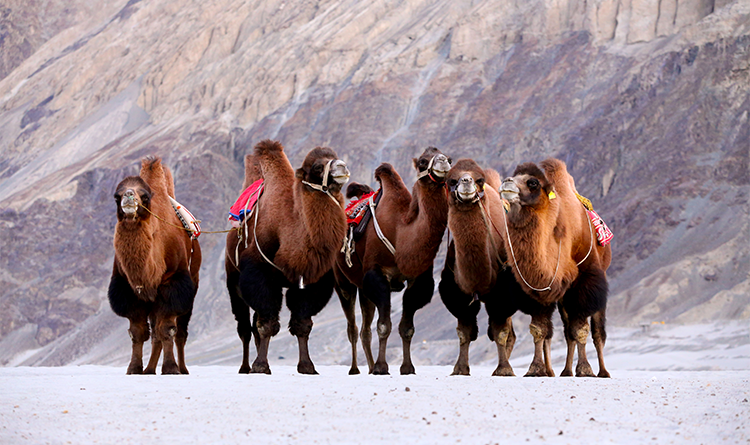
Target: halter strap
428, 171
324, 186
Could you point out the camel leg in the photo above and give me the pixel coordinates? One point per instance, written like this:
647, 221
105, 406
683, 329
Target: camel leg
266, 328
511, 341
500, 333
378, 290
583, 368
347, 297
241, 312
416, 296
466, 334
166, 329
540, 327
304, 304
155, 348
599, 333
180, 340
138, 332
548, 357
570, 342
368, 313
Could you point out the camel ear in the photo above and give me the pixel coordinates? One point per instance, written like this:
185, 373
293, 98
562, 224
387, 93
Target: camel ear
300, 173
416, 162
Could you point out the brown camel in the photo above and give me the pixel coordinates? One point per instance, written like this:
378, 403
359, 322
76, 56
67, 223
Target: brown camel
556, 258
155, 274
300, 228
412, 222
476, 266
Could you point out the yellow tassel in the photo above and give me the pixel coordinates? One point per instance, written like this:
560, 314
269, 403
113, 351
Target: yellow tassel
585, 201
552, 195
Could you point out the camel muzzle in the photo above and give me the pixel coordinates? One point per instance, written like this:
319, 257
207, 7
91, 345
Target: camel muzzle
440, 166
129, 202
509, 190
339, 172
466, 190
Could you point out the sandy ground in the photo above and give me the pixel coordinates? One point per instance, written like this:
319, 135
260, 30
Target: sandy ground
99, 404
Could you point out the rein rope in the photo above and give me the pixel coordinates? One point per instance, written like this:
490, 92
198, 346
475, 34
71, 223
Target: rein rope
557, 267
183, 227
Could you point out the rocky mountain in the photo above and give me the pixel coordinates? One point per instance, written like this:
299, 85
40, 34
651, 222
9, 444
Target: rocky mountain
646, 100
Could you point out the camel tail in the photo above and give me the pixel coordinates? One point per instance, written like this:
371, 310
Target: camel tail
557, 174
152, 171
357, 189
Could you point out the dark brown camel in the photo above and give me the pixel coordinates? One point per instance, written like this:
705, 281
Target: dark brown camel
414, 223
300, 229
556, 258
475, 268
155, 274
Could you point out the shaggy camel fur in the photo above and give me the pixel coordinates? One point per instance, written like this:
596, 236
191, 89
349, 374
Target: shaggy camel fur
300, 229
475, 268
553, 245
155, 274
414, 223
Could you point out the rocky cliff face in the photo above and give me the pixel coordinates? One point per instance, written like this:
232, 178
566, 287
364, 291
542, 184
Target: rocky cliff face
646, 100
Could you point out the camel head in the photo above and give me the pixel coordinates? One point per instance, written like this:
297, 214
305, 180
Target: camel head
133, 197
323, 170
465, 182
527, 187
433, 164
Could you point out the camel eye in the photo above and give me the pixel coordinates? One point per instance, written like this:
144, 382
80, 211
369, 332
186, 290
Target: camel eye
532, 183
480, 182
452, 182
422, 162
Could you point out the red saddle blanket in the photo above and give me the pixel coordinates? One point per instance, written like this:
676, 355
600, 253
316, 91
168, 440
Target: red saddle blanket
357, 209
246, 201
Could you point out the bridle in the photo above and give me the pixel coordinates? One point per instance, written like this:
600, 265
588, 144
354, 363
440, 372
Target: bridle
429, 170
323, 187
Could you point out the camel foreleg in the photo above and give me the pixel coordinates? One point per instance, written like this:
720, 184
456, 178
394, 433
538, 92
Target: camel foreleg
347, 297
180, 340
599, 333
416, 296
155, 347
377, 288
541, 330
368, 314
500, 333
241, 312
138, 332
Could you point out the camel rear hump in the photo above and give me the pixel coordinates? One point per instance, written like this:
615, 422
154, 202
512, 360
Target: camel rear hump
492, 178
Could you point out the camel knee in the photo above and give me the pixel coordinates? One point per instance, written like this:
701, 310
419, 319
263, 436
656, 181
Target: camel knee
300, 327
268, 328
384, 329
406, 331
538, 333
582, 334
138, 334
502, 335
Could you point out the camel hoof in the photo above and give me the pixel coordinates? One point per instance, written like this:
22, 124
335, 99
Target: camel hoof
306, 368
536, 371
603, 373
380, 369
150, 371
354, 371
244, 369
460, 370
584, 370
503, 372
407, 369
260, 368
566, 373
170, 370
135, 370
184, 371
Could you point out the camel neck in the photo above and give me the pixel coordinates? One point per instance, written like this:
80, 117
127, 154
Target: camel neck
476, 260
